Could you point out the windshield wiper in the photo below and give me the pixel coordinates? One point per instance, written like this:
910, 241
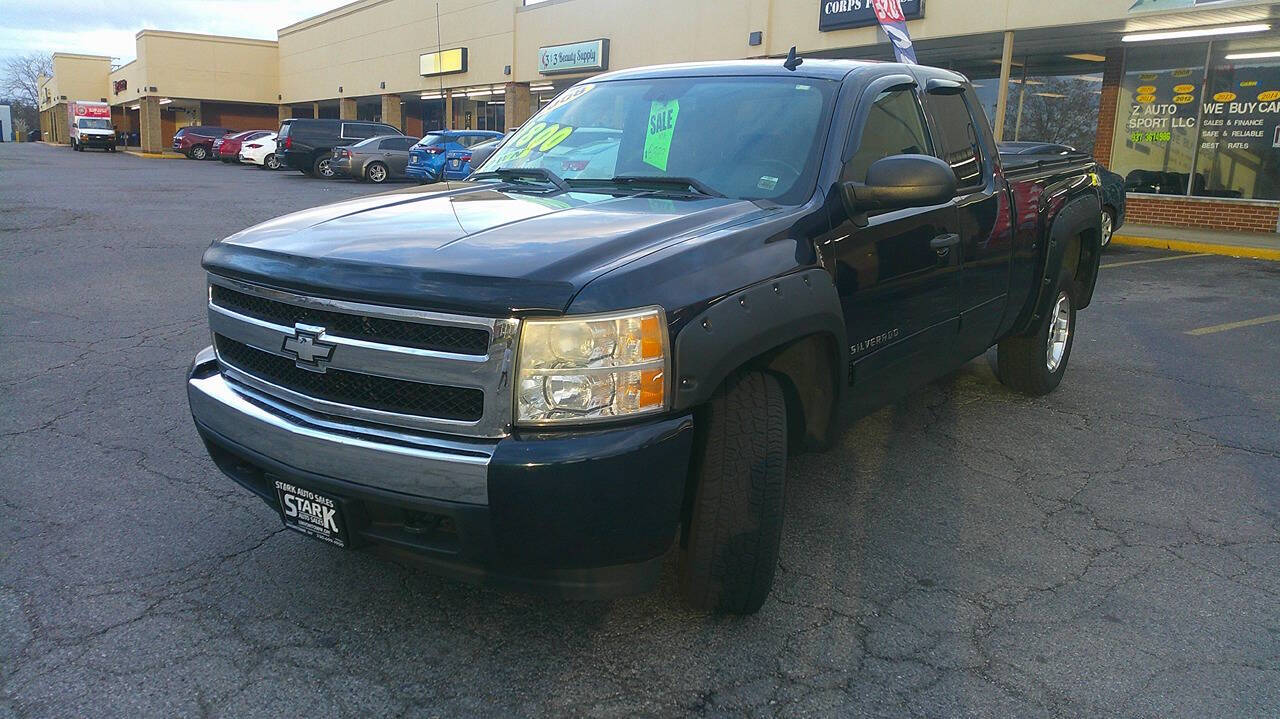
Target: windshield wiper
689, 185
516, 174
662, 181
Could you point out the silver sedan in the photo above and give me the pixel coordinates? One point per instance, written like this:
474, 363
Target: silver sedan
376, 159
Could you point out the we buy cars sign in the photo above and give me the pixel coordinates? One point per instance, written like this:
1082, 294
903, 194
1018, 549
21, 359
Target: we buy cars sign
894, 23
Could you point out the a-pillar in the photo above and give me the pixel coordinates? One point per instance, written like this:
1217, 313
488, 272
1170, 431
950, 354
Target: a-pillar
284, 112
391, 111
347, 108
149, 125
518, 103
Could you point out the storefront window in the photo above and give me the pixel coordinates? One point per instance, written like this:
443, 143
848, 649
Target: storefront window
1055, 108
1155, 136
1239, 154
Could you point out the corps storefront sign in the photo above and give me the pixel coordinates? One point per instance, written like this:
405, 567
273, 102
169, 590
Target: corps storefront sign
845, 14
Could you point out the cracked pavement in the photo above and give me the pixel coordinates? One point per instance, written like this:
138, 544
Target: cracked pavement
1108, 550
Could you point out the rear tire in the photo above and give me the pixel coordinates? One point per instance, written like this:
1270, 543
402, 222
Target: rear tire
376, 173
735, 527
322, 167
199, 152
1034, 364
271, 162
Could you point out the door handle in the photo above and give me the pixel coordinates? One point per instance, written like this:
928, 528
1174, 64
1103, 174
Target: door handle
943, 243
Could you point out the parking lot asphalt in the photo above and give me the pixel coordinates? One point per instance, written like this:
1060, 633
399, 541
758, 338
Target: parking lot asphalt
1108, 550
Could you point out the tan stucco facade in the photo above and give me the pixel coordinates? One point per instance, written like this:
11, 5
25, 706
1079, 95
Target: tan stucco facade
204, 67
75, 77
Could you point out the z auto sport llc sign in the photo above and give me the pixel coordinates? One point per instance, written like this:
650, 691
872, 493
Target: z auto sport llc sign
574, 57
845, 14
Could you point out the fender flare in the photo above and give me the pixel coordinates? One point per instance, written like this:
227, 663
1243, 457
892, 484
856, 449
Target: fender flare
1077, 215
750, 324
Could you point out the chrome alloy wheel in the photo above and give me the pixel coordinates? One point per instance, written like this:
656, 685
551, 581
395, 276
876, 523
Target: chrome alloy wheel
1059, 332
324, 168
377, 173
1107, 228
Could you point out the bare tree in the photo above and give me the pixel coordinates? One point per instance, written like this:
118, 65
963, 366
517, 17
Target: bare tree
20, 83
1056, 109
19, 76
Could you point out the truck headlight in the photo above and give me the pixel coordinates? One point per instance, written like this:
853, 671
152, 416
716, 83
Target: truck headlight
592, 367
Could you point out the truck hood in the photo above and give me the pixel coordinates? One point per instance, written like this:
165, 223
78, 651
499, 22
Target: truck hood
477, 248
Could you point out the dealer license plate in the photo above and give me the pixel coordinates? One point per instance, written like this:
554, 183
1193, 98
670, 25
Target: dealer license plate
455, 163
311, 513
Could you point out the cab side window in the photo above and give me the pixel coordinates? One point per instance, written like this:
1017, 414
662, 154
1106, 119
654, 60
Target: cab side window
895, 126
958, 139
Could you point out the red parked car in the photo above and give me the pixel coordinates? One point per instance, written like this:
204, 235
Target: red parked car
227, 148
196, 142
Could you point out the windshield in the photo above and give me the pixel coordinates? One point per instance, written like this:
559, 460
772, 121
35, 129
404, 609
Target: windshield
94, 123
744, 137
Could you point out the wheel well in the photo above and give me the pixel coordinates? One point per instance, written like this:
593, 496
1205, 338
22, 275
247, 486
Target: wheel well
808, 372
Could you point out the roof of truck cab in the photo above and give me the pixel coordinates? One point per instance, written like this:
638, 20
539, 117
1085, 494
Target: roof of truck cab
772, 67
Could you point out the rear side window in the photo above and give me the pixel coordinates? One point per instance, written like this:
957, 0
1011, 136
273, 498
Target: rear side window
284, 130
180, 133
357, 131
895, 126
958, 138
397, 143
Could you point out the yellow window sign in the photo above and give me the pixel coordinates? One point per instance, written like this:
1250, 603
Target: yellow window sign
1182, 73
444, 62
1224, 97
1184, 89
1269, 96
1147, 90
1184, 99
1146, 99
1249, 83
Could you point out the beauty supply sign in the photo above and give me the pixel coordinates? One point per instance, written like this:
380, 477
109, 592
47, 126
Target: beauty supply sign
845, 14
574, 57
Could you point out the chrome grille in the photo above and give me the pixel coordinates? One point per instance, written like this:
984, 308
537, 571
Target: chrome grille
445, 338
407, 368
353, 388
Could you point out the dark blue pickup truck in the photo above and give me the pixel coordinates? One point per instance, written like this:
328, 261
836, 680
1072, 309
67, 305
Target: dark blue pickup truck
591, 354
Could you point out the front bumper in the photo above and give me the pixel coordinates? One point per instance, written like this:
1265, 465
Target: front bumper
583, 514
97, 140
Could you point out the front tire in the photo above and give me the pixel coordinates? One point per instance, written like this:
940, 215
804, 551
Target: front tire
730, 550
1108, 226
199, 152
1034, 364
376, 173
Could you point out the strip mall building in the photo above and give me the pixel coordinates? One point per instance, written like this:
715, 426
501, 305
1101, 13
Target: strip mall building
1182, 97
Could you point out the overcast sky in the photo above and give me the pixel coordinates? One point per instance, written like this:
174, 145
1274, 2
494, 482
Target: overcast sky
107, 27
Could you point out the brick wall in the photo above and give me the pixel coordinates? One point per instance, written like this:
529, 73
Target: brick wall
1112, 75
1211, 215
238, 116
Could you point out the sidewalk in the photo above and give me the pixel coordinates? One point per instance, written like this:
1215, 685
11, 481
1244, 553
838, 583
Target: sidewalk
1255, 245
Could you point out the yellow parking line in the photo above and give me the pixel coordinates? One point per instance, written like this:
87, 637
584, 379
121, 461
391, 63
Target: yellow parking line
1234, 325
1158, 259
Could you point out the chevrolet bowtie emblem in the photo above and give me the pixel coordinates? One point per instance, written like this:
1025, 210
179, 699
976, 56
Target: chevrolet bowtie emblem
307, 348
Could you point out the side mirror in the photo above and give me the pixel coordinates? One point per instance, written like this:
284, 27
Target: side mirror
900, 181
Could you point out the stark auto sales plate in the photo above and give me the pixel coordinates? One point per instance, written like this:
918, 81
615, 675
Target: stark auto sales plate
311, 513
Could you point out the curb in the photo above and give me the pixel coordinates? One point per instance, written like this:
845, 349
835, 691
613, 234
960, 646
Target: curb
155, 156
1245, 251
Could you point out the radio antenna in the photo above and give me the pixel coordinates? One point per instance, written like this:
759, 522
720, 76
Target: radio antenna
792, 61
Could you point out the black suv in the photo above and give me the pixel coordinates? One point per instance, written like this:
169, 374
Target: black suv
307, 145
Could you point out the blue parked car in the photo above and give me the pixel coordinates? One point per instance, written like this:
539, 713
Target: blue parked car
445, 154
